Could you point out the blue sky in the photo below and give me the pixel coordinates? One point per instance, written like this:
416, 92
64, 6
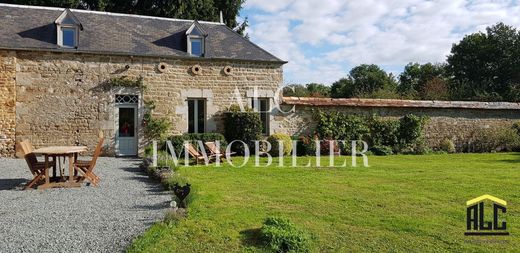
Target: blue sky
324, 39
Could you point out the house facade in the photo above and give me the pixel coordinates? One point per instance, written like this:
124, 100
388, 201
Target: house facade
55, 65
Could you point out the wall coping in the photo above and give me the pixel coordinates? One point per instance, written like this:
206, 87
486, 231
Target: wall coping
398, 103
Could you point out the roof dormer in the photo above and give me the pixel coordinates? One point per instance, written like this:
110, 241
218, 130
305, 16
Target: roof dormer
68, 28
196, 36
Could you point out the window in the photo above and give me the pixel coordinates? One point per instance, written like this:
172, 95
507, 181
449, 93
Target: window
68, 37
68, 27
261, 105
196, 115
195, 37
196, 47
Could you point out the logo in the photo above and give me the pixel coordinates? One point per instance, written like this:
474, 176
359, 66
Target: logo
475, 219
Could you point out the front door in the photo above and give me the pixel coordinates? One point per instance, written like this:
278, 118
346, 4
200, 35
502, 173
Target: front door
126, 136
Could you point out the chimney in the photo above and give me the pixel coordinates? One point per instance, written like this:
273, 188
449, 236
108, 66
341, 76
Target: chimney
221, 18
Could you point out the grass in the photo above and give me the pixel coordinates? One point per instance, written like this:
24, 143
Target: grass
398, 204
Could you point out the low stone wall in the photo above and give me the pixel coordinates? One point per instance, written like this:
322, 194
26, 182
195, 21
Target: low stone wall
453, 120
7, 103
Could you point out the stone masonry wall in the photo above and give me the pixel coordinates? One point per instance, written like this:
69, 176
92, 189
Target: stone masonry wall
455, 124
7, 103
60, 99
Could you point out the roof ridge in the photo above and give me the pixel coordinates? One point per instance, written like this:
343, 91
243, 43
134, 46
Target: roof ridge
106, 13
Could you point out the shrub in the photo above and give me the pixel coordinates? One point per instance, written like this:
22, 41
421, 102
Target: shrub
280, 235
516, 127
381, 150
410, 128
325, 147
494, 139
245, 126
418, 147
448, 146
384, 132
305, 145
286, 142
340, 126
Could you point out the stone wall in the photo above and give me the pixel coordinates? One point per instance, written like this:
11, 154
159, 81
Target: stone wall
457, 124
60, 96
7, 103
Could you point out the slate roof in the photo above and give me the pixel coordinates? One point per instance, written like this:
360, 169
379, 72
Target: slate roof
31, 27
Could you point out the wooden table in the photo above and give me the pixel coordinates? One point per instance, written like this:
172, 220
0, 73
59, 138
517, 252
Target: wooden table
70, 152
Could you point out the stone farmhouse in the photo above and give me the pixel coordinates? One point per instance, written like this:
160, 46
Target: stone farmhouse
54, 62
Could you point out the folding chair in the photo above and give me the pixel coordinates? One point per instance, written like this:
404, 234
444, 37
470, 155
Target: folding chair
212, 147
86, 168
197, 155
36, 168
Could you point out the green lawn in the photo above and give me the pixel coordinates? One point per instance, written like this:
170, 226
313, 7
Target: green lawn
398, 204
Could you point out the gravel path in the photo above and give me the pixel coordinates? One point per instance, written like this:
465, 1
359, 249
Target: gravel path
87, 219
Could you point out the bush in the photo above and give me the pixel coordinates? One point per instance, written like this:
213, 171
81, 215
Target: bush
325, 147
381, 150
448, 146
340, 126
305, 145
494, 140
384, 132
418, 147
244, 126
280, 235
410, 129
286, 142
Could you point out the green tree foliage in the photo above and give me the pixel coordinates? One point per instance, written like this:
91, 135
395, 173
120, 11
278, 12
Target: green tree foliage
486, 66
308, 90
208, 10
363, 81
416, 78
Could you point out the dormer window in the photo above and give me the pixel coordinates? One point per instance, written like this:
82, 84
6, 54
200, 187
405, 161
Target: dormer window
196, 40
68, 27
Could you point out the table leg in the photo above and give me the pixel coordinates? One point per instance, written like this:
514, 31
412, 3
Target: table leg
71, 168
47, 179
75, 159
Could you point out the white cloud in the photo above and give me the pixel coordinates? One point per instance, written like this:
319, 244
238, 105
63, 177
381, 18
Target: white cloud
389, 33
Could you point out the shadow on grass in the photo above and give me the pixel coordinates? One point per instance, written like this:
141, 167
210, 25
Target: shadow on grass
514, 158
252, 238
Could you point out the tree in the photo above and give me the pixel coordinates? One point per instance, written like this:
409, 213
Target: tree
208, 10
415, 76
308, 90
486, 66
318, 90
295, 90
363, 81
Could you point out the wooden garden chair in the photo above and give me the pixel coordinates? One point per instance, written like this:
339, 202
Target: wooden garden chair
212, 147
86, 168
197, 155
36, 168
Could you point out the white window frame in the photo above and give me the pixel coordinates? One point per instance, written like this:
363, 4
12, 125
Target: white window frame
196, 115
76, 26
60, 35
196, 37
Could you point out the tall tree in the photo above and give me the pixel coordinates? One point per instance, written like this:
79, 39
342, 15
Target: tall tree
208, 10
413, 80
363, 81
486, 66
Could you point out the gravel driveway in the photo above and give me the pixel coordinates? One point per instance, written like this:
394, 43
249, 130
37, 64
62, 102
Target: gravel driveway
87, 219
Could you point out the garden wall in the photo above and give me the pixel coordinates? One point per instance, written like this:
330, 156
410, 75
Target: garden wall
454, 120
